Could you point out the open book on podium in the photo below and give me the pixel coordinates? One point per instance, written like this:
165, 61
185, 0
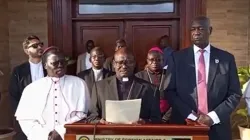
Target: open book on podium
83, 131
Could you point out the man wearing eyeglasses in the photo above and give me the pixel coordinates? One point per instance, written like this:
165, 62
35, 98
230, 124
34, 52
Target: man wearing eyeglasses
155, 74
25, 74
97, 72
125, 86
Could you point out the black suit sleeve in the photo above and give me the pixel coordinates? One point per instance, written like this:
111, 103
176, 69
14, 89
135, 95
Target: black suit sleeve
172, 96
14, 90
94, 110
155, 115
233, 96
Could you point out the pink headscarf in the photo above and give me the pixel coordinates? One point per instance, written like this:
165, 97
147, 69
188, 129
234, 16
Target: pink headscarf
156, 48
49, 49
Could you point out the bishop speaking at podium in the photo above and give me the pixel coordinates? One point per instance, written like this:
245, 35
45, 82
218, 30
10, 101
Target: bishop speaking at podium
125, 86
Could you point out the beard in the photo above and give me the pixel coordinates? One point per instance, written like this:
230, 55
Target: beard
35, 54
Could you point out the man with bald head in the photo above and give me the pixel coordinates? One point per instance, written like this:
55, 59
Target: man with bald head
125, 86
53, 101
204, 86
97, 72
120, 43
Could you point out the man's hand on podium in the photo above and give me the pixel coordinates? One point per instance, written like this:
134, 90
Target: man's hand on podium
140, 121
202, 119
205, 119
193, 123
103, 121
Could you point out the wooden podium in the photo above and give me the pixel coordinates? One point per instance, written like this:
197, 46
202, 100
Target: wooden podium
83, 131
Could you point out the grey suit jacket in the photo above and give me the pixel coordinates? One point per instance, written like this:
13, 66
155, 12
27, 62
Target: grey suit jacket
223, 89
88, 77
107, 90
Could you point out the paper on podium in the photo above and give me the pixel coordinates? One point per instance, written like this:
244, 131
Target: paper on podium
125, 111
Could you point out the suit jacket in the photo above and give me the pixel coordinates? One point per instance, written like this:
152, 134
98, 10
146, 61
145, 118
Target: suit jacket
88, 77
107, 90
167, 55
223, 89
20, 78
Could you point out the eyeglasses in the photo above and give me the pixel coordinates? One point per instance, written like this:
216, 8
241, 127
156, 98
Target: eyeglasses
124, 62
56, 63
36, 45
151, 60
97, 56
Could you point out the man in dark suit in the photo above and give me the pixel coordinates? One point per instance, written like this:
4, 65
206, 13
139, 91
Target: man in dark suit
124, 86
155, 74
97, 72
204, 85
120, 43
167, 50
24, 74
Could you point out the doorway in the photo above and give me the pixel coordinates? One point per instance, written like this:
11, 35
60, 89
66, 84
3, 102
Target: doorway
140, 22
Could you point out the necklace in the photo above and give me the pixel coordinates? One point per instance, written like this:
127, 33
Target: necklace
129, 93
152, 81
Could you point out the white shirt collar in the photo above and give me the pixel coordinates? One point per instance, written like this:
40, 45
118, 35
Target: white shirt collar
56, 79
197, 49
97, 71
33, 64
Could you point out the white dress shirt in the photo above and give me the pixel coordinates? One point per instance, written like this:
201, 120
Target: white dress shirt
87, 62
98, 74
83, 62
36, 71
206, 55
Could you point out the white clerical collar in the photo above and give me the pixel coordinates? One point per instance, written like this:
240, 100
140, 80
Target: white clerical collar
197, 49
56, 79
97, 71
35, 64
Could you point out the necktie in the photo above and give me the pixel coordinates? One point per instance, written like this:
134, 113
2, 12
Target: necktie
202, 86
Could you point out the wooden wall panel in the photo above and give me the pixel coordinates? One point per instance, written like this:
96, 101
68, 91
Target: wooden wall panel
142, 35
104, 34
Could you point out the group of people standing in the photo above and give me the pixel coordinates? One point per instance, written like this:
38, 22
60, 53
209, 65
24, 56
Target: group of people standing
198, 84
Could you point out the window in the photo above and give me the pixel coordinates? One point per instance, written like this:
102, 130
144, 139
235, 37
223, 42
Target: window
125, 6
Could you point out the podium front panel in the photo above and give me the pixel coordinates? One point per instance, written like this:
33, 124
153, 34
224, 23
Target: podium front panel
135, 132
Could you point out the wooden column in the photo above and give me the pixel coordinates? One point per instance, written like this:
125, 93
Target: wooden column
60, 25
189, 9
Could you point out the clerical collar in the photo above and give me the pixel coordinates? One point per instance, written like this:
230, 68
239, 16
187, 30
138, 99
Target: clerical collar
97, 71
56, 79
125, 79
